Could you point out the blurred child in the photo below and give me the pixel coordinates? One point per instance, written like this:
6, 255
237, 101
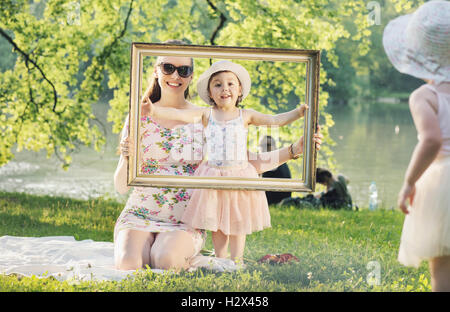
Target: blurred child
418, 44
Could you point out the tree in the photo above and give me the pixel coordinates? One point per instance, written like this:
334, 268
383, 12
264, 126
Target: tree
369, 74
43, 104
66, 49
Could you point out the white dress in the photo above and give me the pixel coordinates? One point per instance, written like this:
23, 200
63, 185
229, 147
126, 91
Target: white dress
426, 229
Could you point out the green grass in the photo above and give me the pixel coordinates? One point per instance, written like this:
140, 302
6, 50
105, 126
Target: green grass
334, 248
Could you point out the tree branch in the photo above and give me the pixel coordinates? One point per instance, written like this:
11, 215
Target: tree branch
108, 50
223, 19
29, 60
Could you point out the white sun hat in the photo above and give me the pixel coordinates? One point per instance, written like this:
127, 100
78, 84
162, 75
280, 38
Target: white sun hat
418, 44
225, 65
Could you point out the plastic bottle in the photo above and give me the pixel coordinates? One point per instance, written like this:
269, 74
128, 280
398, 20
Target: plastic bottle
373, 196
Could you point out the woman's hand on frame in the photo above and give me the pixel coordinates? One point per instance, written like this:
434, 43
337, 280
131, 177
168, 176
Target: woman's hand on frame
125, 147
297, 147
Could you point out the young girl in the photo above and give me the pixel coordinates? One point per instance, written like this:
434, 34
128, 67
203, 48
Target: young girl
229, 214
419, 45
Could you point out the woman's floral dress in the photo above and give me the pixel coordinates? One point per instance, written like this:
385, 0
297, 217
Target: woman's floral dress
164, 151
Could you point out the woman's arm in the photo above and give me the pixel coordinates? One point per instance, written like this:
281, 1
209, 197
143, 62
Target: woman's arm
187, 115
120, 176
260, 119
270, 160
430, 141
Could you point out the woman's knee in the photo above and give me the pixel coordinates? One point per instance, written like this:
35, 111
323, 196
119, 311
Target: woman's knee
132, 249
166, 260
172, 250
128, 261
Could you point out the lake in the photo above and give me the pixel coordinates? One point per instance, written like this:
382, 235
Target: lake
374, 142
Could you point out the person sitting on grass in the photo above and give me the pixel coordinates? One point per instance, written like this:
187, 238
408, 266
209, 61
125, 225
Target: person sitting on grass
336, 195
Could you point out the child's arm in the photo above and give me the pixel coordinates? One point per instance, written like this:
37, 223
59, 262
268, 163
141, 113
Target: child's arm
188, 115
430, 141
260, 119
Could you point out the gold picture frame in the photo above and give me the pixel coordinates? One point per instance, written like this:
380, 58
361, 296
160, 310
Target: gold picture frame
312, 60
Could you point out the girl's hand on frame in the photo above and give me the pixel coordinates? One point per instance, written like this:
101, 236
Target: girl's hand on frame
302, 109
407, 192
126, 147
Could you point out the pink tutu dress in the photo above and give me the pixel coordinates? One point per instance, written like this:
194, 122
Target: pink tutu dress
234, 212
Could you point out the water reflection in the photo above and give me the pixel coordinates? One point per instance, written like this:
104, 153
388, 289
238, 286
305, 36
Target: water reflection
89, 176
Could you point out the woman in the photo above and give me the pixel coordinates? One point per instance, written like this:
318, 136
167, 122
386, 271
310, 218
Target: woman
148, 231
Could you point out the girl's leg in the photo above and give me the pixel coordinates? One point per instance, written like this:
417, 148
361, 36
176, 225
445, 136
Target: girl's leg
132, 249
440, 273
237, 246
172, 250
220, 242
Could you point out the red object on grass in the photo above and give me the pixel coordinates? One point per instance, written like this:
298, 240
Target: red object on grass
278, 259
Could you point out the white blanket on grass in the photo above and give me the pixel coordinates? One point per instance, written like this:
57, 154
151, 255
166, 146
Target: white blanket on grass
65, 258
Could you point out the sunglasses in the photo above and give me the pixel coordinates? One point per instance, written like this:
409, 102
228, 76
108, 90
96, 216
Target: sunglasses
168, 69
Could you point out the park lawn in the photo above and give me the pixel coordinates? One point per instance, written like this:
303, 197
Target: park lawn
338, 250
